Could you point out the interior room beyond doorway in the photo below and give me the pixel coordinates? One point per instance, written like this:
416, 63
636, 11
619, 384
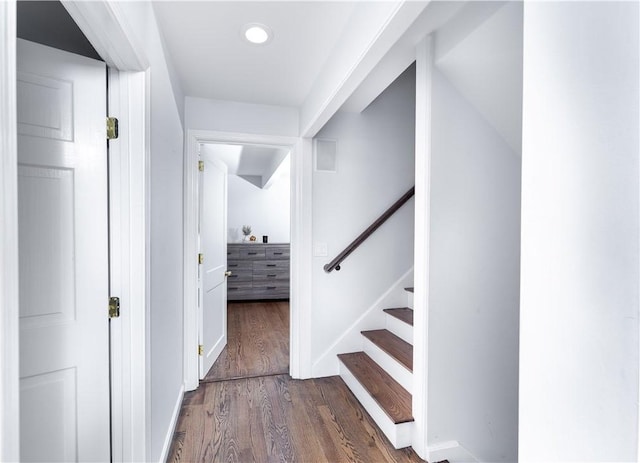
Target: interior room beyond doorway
258, 252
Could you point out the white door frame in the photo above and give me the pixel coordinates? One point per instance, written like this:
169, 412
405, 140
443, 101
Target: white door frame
104, 25
301, 259
129, 262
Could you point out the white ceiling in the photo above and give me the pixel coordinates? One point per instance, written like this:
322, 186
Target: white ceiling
257, 164
212, 59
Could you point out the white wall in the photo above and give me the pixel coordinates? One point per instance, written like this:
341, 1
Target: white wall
232, 116
579, 316
375, 167
266, 210
474, 281
165, 318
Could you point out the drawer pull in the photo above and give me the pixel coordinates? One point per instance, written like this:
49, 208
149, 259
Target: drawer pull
272, 276
232, 265
271, 287
271, 265
252, 253
232, 276
232, 289
278, 253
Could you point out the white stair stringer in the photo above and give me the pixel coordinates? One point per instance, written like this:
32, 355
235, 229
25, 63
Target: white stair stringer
398, 434
394, 368
401, 329
371, 319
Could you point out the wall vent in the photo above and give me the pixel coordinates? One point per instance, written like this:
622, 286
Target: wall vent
326, 152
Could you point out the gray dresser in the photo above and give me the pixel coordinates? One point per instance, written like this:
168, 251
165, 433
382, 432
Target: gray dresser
258, 271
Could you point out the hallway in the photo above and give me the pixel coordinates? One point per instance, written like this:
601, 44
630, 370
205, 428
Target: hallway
248, 409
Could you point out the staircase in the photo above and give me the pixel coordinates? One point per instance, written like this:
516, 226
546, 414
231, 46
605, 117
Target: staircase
381, 375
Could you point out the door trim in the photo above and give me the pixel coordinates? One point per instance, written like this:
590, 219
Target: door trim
106, 27
129, 264
300, 305
9, 312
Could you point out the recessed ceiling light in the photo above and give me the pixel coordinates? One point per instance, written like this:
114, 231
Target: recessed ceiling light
258, 34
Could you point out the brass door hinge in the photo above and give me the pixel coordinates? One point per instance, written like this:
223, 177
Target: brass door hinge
200, 349
114, 307
112, 128
200, 258
201, 166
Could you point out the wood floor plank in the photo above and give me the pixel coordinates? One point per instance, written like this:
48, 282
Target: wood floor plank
396, 347
257, 341
404, 314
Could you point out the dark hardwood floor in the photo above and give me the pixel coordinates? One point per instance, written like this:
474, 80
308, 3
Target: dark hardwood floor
265, 416
257, 341
278, 419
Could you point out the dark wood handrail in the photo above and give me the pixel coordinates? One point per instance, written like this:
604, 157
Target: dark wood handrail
335, 263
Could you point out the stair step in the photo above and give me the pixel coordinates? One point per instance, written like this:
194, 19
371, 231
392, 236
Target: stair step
400, 350
394, 400
404, 314
409, 289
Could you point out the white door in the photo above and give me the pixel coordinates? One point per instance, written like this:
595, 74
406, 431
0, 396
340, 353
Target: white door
213, 247
62, 201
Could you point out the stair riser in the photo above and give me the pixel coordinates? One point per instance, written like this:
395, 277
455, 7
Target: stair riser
410, 300
398, 434
394, 368
399, 328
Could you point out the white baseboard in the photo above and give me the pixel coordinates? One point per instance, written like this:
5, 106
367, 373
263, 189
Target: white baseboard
373, 318
168, 439
451, 451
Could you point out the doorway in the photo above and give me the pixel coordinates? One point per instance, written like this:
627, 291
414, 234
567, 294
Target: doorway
258, 235
300, 247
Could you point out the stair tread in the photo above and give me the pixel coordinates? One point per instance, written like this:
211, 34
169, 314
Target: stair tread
396, 347
410, 289
387, 392
404, 314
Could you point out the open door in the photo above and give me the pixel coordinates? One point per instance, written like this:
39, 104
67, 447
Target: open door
212, 270
63, 256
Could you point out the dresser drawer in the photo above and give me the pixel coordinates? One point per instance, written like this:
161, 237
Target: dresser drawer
241, 274
282, 265
233, 252
277, 252
249, 252
239, 289
234, 265
272, 289
263, 276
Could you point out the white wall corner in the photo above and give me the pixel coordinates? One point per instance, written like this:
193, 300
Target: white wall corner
168, 439
451, 451
9, 326
422, 233
301, 259
373, 318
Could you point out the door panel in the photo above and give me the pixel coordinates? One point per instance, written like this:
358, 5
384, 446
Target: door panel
62, 220
213, 245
